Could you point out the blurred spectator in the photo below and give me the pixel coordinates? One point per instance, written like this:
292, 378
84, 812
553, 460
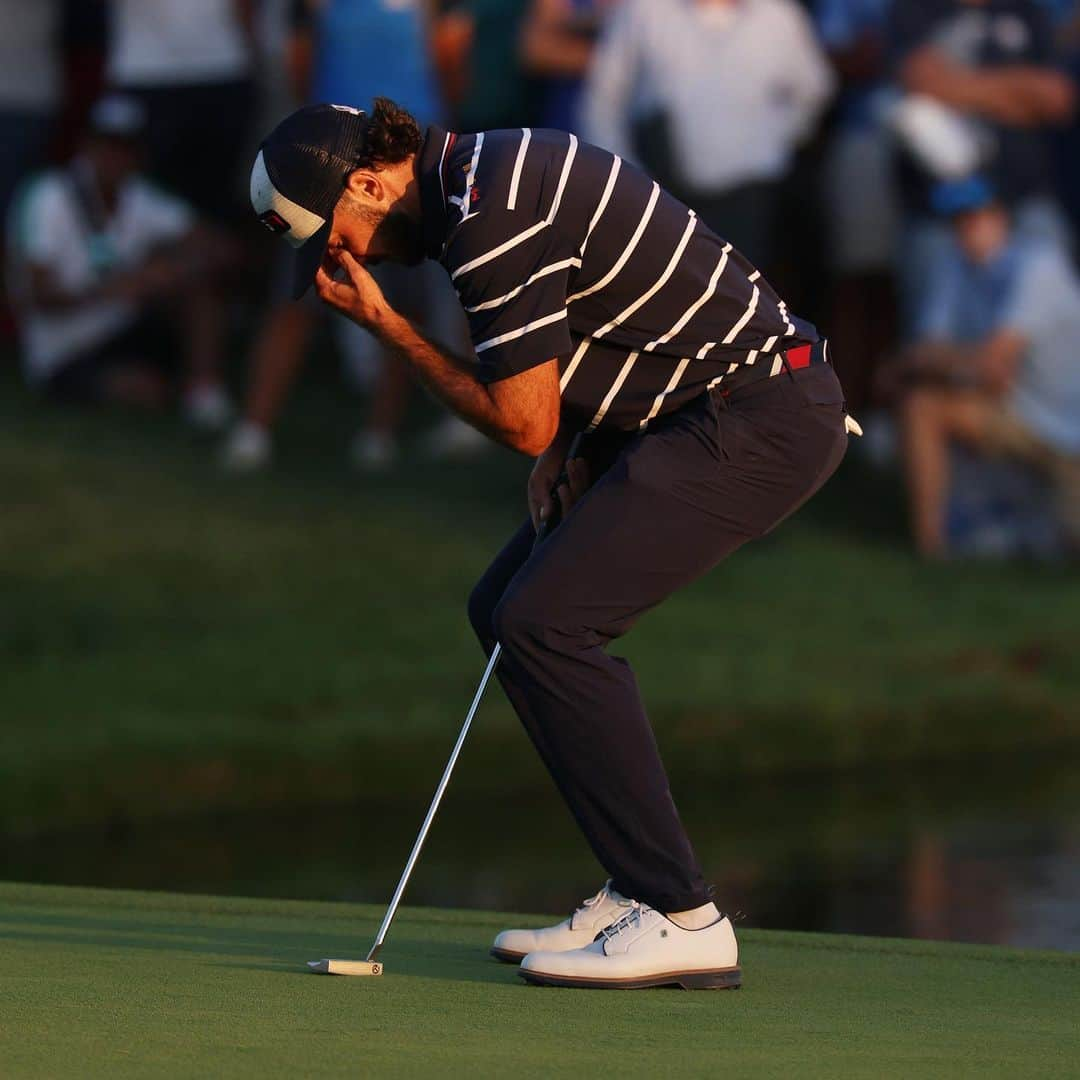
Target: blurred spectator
190, 64
479, 64
994, 366
712, 97
275, 96
98, 257
981, 93
348, 51
30, 91
860, 199
30, 87
557, 43
1068, 143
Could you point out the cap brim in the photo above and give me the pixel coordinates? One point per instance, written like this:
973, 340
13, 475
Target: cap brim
309, 257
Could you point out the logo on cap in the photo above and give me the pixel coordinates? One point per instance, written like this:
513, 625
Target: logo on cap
274, 222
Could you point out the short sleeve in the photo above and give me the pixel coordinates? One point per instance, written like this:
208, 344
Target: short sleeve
40, 221
1042, 287
515, 301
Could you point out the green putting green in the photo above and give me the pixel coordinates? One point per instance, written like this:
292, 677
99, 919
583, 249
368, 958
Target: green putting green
120, 983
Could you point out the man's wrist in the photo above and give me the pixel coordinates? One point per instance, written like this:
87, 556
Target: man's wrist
385, 323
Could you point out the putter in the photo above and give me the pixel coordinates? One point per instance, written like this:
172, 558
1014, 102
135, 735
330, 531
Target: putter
371, 966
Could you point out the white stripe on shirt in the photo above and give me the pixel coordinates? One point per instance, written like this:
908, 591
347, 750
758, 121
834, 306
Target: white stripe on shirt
568, 374
504, 247
615, 387
657, 285
746, 316
613, 273
442, 161
521, 331
553, 268
532, 230
567, 165
470, 178
787, 322
519, 164
605, 198
697, 305
672, 383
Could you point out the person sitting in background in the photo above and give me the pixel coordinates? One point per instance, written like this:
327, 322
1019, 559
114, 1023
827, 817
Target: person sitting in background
981, 92
342, 51
97, 257
712, 97
557, 43
994, 367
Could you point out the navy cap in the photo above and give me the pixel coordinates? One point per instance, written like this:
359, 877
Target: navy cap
299, 174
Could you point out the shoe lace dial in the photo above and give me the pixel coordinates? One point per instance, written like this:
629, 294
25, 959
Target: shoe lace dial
631, 920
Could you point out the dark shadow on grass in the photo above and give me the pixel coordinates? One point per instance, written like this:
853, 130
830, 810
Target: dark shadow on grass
472, 968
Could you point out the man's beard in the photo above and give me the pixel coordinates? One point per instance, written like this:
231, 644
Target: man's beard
401, 237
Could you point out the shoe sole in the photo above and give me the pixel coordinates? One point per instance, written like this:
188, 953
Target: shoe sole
505, 956
723, 979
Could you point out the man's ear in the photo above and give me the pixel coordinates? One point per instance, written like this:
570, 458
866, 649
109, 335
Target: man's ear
366, 186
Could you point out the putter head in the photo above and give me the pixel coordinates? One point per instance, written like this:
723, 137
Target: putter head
344, 967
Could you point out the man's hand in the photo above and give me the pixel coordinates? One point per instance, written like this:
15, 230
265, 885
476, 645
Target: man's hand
358, 296
545, 474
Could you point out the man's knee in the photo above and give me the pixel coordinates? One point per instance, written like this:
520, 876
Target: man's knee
921, 405
521, 617
481, 608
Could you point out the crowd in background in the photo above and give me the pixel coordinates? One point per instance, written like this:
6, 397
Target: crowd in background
906, 171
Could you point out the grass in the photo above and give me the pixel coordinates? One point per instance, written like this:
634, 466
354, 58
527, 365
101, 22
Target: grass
174, 640
99, 983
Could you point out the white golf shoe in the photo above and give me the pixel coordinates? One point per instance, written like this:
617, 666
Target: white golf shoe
643, 948
572, 933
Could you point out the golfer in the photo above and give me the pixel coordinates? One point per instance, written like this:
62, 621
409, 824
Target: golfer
597, 303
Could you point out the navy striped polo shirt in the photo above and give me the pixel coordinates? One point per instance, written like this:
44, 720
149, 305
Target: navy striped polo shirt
558, 249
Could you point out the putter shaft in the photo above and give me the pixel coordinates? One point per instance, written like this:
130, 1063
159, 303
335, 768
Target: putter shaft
493, 662
439, 791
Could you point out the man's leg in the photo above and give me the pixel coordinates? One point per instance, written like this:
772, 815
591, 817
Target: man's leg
932, 418
673, 505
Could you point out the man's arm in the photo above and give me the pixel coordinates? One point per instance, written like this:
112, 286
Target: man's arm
1019, 95
991, 363
521, 412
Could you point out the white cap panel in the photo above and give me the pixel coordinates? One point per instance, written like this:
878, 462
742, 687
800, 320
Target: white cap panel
278, 212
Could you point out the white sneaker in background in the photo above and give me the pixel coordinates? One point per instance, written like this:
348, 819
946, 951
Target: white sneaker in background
643, 948
373, 451
453, 438
207, 407
572, 933
247, 449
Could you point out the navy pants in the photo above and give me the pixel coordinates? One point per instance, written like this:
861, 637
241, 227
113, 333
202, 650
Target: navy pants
670, 504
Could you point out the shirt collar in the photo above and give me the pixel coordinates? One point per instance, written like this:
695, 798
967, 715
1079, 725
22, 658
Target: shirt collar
432, 178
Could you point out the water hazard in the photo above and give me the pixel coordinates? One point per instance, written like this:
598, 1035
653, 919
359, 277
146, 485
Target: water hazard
988, 853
